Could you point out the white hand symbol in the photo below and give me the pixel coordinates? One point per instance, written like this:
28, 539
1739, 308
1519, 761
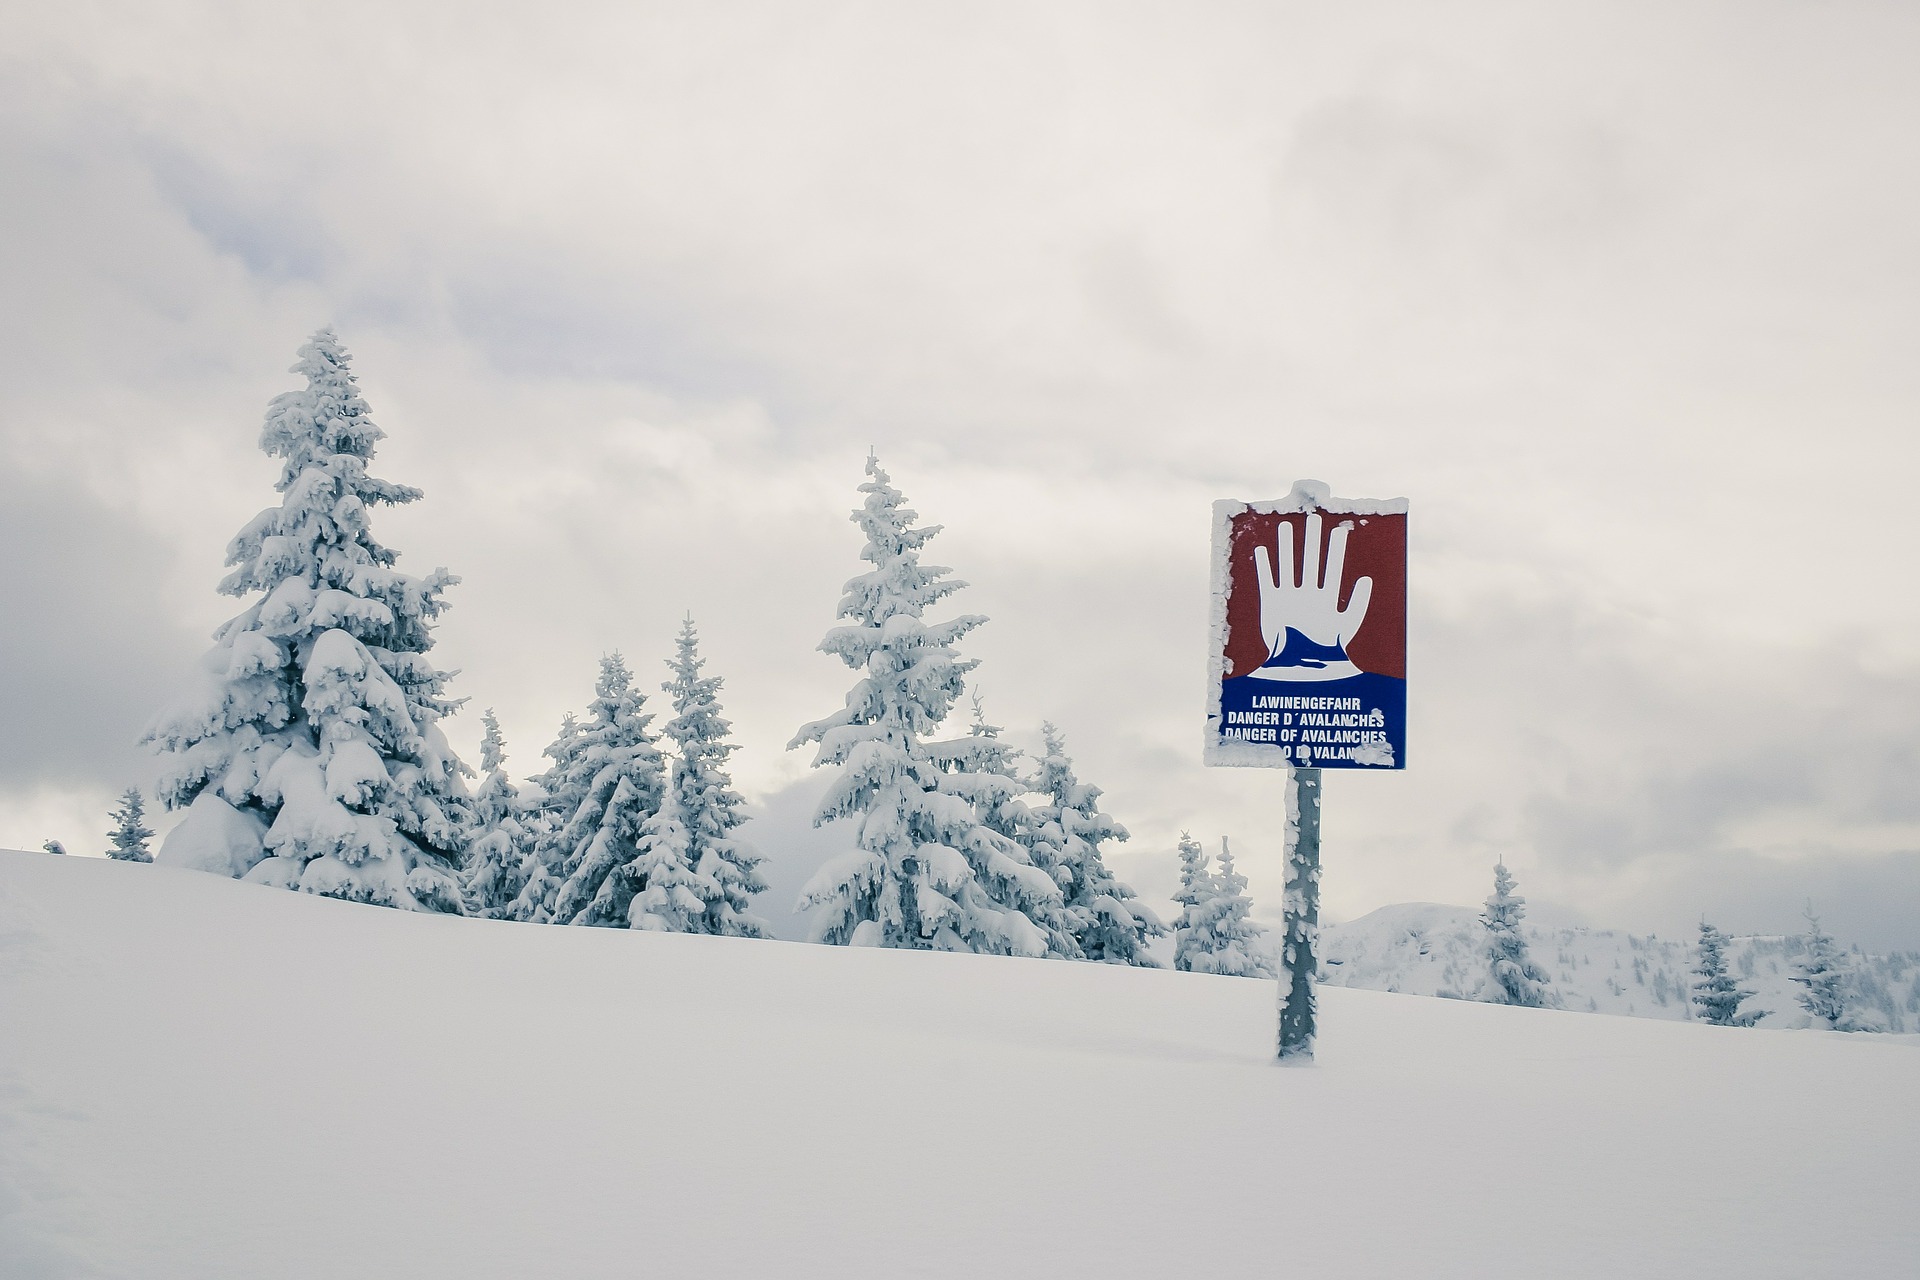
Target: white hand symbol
1307, 605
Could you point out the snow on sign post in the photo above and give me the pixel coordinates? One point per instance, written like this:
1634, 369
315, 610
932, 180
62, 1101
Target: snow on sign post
1307, 670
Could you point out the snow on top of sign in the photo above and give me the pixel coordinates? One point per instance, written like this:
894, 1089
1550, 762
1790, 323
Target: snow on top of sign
1316, 495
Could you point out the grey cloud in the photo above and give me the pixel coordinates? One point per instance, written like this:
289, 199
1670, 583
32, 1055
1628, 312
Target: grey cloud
272, 224
1867, 902
1840, 746
1425, 173
1129, 291
780, 826
87, 648
547, 318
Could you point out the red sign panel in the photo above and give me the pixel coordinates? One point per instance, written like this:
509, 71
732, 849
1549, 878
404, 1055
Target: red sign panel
1308, 656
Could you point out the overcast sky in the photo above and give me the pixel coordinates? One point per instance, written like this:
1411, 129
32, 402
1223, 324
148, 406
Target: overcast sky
1622, 297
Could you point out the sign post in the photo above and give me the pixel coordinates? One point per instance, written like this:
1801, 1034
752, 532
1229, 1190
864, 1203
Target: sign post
1301, 921
1307, 671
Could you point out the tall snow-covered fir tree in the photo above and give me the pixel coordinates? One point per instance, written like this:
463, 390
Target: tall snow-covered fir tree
1108, 921
496, 859
1512, 976
1196, 889
1821, 973
1715, 994
925, 871
607, 780
706, 811
310, 754
130, 832
1224, 937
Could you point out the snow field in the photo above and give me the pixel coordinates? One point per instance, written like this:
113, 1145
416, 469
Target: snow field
204, 1078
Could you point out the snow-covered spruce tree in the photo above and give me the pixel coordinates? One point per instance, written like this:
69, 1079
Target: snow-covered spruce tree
604, 788
983, 765
496, 870
541, 867
721, 868
1226, 940
673, 897
1715, 993
310, 755
1512, 976
984, 751
925, 871
1196, 890
1108, 921
130, 832
1821, 974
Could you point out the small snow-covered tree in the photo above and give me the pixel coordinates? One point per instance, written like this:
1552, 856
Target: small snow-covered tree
719, 865
673, 897
1513, 977
1715, 993
984, 751
310, 755
1821, 972
1196, 889
607, 780
1108, 921
54, 847
986, 769
496, 860
130, 832
540, 870
925, 871
1225, 939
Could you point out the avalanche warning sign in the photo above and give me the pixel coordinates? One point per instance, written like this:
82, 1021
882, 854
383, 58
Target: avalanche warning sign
1307, 662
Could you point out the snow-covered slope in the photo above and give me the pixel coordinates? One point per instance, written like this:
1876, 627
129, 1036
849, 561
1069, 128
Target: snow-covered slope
1423, 948
201, 1078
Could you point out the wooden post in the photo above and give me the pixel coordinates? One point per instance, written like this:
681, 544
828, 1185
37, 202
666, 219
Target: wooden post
1301, 917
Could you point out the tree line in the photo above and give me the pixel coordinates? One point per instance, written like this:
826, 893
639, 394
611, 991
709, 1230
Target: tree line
307, 753
1820, 969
